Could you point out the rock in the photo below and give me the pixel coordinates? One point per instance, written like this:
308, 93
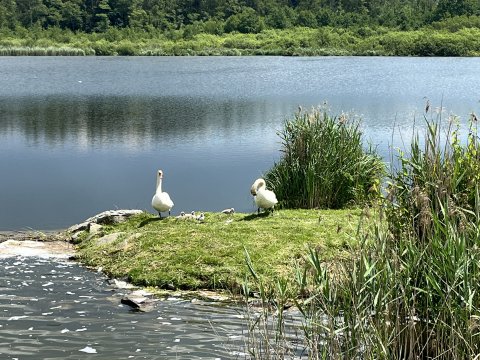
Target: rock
110, 238
94, 228
170, 286
44, 249
106, 217
75, 236
121, 284
138, 300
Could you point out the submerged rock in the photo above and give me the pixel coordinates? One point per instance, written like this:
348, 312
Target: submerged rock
139, 301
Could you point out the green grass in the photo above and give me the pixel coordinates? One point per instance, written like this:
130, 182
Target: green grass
211, 255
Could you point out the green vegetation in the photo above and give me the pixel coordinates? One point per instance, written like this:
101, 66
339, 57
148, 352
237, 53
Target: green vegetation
324, 41
192, 255
240, 27
396, 280
324, 164
410, 291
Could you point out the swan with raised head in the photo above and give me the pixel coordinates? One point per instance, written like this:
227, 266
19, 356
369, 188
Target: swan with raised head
161, 200
264, 199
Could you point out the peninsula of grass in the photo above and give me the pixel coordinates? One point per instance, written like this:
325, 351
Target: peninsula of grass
191, 255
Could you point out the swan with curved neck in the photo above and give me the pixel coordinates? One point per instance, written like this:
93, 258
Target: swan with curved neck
161, 200
264, 199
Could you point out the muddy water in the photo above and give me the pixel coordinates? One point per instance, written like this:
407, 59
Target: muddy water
51, 308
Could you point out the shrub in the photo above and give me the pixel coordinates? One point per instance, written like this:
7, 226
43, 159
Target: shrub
324, 163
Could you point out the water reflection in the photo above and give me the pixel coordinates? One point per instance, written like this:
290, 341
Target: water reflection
131, 122
102, 152
80, 136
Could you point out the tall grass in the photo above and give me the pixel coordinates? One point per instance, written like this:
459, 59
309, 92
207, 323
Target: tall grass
324, 163
43, 51
411, 291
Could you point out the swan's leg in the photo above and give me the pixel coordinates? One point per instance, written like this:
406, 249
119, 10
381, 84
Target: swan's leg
168, 212
160, 214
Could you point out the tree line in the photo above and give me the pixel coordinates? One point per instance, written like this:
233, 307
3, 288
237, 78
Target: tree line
226, 16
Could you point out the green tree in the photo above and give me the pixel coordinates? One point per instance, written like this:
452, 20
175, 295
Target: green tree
245, 22
31, 12
8, 14
280, 18
306, 18
450, 8
72, 15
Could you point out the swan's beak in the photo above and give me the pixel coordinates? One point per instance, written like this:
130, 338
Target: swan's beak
253, 191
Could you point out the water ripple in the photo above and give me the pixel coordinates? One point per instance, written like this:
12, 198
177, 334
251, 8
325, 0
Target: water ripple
54, 310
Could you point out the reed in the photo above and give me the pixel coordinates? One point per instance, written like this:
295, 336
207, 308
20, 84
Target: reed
411, 290
324, 163
43, 51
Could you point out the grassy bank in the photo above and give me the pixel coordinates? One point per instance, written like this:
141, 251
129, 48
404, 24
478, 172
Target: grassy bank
300, 41
186, 254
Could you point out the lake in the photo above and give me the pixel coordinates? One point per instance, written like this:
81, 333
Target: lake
82, 135
55, 309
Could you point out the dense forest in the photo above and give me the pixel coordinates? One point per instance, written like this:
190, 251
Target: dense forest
311, 25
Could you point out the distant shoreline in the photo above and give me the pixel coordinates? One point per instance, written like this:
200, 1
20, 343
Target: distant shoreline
299, 41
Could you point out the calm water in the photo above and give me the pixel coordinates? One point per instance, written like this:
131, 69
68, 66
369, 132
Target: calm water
82, 135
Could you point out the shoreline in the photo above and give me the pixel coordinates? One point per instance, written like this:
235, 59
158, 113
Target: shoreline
199, 259
59, 245
295, 41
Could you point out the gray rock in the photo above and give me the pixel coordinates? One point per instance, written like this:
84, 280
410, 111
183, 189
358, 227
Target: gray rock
106, 217
138, 300
95, 228
110, 238
75, 236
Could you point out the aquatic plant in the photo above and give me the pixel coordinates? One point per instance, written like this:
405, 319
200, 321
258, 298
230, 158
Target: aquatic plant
411, 290
324, 163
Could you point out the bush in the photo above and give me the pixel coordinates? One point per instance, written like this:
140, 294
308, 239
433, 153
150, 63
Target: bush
324, 164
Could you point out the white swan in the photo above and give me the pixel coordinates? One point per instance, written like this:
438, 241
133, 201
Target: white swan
265, 199
161, 200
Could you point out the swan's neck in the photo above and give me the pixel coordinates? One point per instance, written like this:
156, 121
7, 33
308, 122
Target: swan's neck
159, 184
260, 185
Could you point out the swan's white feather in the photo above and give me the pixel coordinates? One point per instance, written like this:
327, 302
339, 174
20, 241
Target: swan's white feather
265, 199
161, 201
